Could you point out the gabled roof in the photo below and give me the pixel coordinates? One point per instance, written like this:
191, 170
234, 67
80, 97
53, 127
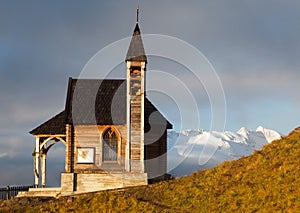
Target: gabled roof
92, 101
136, 50
157, 119
101, 102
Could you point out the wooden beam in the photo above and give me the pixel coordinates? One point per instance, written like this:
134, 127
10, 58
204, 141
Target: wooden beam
44, 155
53, 138
128, 106
50, 135
36, 161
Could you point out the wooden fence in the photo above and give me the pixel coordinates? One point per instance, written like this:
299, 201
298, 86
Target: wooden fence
10, 191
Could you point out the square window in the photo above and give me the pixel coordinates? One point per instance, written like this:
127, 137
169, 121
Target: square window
85, 155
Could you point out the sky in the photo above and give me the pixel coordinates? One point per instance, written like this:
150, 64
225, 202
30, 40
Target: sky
253, 47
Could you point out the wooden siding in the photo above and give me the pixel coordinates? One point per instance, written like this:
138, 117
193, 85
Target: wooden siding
69, 160
156, 153
91, 136
136, 137
155, 150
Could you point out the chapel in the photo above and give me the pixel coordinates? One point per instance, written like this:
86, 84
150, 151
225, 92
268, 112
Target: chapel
114, 136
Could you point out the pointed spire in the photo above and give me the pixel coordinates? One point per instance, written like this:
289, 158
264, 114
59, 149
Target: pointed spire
136, 50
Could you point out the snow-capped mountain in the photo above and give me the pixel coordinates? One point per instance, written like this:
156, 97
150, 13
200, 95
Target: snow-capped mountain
193, 150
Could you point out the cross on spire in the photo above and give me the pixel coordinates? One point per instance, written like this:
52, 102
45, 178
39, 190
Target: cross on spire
137, 14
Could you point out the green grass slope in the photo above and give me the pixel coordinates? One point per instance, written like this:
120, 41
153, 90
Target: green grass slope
267, 181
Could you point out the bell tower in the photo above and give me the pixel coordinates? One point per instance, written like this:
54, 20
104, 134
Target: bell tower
136, 61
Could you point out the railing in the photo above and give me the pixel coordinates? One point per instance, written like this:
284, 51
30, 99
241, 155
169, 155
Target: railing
8, 192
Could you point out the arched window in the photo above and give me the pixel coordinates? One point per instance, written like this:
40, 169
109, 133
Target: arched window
109, 145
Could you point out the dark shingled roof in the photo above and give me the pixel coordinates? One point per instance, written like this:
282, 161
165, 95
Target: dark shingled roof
91, 101
55, 125
101, 102
136, 50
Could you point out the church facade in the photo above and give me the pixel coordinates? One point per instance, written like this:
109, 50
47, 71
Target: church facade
114, 136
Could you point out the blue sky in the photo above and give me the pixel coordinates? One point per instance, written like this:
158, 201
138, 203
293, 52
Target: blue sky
254, 47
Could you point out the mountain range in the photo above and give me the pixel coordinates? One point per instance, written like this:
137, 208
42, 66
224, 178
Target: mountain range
194, 150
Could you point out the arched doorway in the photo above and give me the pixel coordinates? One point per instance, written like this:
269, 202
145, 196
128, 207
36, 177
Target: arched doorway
55, 164
110, 143
43, 145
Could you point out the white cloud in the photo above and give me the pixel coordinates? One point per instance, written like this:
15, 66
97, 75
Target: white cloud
3, 155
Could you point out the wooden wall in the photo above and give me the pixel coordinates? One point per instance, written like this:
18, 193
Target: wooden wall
156, 152
136, 138
91, 137
69, 159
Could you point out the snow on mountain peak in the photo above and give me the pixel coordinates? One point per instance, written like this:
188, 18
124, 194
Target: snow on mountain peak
243, 131
270, 135
193, 150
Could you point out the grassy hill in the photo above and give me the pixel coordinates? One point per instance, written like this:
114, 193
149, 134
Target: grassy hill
267, 181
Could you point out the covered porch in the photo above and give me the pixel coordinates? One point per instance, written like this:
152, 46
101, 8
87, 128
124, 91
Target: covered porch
46, 136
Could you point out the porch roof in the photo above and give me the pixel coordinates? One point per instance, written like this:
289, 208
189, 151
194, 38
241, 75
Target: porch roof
54, 126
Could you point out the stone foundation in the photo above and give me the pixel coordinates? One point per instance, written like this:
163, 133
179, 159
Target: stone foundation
98, 182
72, 183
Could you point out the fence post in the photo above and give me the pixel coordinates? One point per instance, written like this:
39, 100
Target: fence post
7, 192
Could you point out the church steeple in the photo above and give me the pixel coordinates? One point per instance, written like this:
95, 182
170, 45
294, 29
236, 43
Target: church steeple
135, 72
136, 50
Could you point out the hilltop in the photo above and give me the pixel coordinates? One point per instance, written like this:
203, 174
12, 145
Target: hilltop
267, 180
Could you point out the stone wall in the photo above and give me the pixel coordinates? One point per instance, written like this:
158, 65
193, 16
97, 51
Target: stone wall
96, 182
